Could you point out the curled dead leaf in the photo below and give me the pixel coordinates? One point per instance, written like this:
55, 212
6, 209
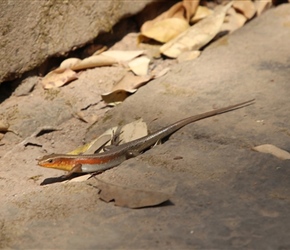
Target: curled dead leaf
166, 29
182, 10
233, 21
201, 13
133, 130
198, 35
246, 7
127, 86
117, 96
94, 61
140, 65
262, 6
69, 63
121, 55
273, 150
93, 146
58, 78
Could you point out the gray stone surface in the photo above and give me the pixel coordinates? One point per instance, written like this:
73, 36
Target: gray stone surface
32, 31
227, 195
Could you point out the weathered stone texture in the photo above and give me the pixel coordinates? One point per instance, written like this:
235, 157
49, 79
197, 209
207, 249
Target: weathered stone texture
30, 31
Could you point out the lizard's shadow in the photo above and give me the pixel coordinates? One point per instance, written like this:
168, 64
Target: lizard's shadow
52, 180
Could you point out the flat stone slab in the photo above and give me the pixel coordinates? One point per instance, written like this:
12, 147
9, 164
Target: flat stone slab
227, 196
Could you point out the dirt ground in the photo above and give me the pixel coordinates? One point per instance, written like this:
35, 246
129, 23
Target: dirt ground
225, 195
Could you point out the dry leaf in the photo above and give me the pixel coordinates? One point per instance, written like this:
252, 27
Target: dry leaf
273, 150
129, 197
233, 21
190, 8
176, 10
93, 146
117, 96
94, 61
201, 13
69, 63
198, 35
188, 55
120, 55
152, 50
133, 131
131, 82
246, 7
182, 10
165, 30
140, 65
127, 86
262, 6
58, 77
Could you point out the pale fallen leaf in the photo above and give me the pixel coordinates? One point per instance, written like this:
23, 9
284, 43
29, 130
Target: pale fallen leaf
190, 8
92, 146
133, 131
94, 61
246, 7
201, 13
131, 82
273, 150
176, 10
127, 86
182, 10
58, 78
140, 65
262, 6
130, 197
233, 21
166, 29
117, 96
69, 63
198, 35
122, 55
188, 55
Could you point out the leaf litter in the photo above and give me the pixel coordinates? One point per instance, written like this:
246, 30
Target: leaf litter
181, 31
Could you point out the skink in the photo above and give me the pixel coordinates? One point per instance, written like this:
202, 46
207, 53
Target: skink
102, 161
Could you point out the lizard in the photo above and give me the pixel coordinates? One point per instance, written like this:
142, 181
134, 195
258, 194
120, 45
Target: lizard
95, 163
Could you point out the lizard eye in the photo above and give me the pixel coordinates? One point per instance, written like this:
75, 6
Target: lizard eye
50, 161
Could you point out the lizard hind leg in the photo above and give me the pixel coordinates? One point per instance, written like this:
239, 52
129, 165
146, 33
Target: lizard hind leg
132, 153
